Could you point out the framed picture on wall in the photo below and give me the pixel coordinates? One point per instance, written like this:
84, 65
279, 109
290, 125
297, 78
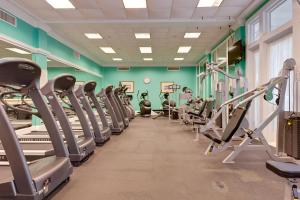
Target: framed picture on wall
129, 85
165, 87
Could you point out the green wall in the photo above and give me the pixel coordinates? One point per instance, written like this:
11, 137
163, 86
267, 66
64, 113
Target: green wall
59, 49
38, 38
22, 31
79, 75
239, 34
184, 77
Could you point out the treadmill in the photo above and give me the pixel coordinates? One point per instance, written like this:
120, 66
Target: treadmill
101, 134
114, 103
117, 125
34, 180
117, 92
35, 142
81, 145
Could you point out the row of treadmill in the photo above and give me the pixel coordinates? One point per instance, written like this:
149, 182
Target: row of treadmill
74, 121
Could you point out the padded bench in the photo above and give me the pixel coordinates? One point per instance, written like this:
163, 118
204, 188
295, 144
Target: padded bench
285, 170
289, 171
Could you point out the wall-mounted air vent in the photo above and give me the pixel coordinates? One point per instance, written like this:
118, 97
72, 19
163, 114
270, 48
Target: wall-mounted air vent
8, 18
173, 68
124, 69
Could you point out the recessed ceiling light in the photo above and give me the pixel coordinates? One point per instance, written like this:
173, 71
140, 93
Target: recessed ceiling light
184, 49
117, 59
222, 59
107, 50
148, 59
48, 60
192, 35
178, 59
93, 35
61, 4
20, 51
209, 3
135, 3
142, 35
146, 49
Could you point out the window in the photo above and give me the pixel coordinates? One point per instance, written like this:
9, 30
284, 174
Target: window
254, 30
281, 14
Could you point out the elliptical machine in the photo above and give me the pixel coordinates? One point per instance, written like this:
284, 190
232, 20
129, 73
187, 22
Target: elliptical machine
145, 104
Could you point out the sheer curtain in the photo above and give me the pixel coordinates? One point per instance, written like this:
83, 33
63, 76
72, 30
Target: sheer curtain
257, 82
278, 52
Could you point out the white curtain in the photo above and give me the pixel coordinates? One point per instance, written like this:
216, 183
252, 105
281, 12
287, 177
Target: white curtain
278, 52
257, 82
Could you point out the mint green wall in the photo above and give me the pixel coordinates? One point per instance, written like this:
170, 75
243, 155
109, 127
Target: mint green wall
38, 38
185, 77
22, 31
239, 34
80, 75
59, 49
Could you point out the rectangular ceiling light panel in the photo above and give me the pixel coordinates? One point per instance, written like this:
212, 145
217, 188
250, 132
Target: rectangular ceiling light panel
192, 35
93, 35
19, 51
61, 4
107, 50
146, 49
184, 49
177, 59
209, 3
148, 59
117, 59
135, 3
142, 35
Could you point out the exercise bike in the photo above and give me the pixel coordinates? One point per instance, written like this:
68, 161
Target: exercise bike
145, 104
168, 106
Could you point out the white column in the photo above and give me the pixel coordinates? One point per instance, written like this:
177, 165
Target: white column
296, 46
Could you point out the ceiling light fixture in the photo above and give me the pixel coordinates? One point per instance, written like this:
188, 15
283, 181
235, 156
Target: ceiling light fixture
178, 59
142, 35
107, 50
148, 59
222, 59
19, 51
93, 35
209, 3
184, 49
135, 3
192, 35
61, 4
117, 59
146, 49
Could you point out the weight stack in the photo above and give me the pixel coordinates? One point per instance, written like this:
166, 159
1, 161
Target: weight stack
292, 136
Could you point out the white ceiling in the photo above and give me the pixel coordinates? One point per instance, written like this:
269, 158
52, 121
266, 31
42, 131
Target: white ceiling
166, 20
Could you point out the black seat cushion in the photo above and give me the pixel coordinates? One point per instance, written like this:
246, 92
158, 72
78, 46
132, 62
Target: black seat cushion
286, 170
194, 114
235, 121
200, 122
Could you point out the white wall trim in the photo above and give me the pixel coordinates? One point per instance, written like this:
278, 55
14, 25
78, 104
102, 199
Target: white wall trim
23, 45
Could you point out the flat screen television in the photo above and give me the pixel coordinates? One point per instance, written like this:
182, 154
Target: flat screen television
236, 53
